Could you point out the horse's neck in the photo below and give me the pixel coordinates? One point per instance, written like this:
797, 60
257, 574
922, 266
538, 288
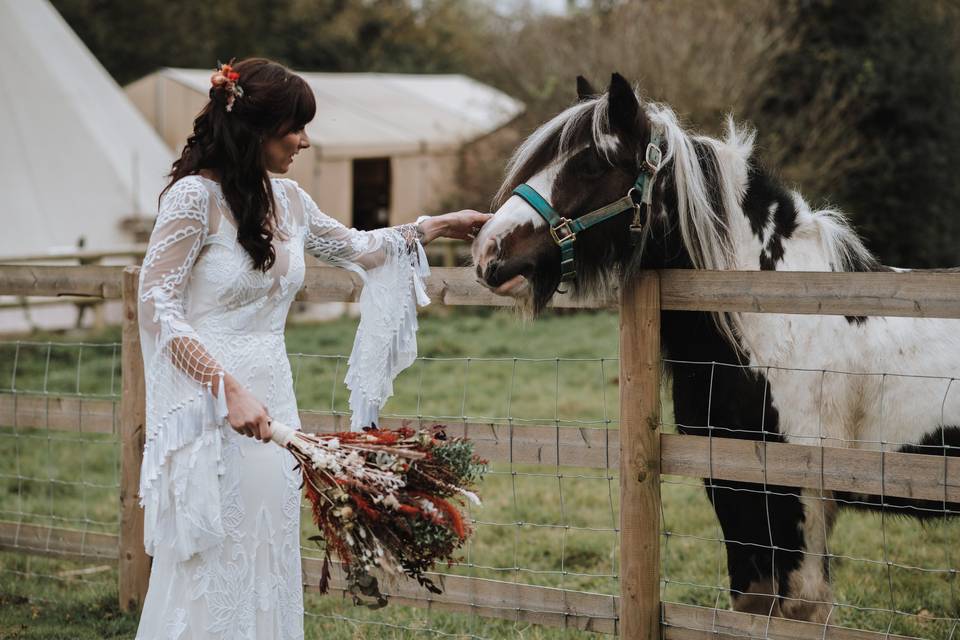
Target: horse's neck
710, 387
773, 228
693, 336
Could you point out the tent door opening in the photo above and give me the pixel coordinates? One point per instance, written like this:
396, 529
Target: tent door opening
371, 193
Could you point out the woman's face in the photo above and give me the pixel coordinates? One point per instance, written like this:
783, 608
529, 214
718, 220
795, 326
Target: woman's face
278, 151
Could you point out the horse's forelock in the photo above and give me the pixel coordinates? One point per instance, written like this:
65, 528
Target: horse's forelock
579, 125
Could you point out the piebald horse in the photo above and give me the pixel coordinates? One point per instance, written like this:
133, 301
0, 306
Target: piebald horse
613, 185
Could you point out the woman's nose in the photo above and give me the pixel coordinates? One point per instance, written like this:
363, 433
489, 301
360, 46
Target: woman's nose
304, 140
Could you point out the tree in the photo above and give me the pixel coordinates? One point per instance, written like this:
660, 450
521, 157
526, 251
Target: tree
861, 112
133, 39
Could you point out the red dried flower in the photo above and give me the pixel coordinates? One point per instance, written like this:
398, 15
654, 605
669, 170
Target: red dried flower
226, 78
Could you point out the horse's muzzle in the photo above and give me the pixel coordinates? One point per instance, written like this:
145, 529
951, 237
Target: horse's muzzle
502, 278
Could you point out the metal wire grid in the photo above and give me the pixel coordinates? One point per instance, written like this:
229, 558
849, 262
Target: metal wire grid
54, 479
548, 524
39, 467
890, 574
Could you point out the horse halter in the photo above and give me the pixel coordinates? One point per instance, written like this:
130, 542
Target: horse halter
564, 230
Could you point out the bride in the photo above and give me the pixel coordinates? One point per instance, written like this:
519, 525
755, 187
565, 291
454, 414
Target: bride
226, 257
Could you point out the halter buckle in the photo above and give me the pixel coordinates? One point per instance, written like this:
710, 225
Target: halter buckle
562, 233
652, 158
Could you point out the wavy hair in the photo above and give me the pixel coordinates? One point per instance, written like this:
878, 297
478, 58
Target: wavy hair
275, 102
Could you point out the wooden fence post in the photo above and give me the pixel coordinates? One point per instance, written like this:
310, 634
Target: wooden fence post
134, 562
640, 458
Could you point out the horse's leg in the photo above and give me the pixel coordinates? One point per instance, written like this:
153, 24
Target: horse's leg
755, 529
776, 546
805, 576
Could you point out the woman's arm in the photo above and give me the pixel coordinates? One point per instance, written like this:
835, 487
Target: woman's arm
333, 242
175, 243
461, 225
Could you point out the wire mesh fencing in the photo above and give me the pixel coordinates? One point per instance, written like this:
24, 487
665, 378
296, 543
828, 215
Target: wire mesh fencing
878, 561
550, 517
546, 536
59, 468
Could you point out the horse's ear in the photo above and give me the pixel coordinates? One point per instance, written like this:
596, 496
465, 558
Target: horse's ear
623, 106
584, 89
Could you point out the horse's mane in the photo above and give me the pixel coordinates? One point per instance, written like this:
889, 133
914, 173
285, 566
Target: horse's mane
709, 177
703, 229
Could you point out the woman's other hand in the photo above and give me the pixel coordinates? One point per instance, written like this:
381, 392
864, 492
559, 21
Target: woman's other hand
245, 413
460, 225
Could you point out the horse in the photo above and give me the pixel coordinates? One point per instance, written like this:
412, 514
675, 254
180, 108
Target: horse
613, 185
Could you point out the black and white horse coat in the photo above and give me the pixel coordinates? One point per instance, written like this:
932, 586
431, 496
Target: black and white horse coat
870, 383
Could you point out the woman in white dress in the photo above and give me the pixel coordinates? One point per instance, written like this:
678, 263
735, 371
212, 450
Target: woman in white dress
226, 257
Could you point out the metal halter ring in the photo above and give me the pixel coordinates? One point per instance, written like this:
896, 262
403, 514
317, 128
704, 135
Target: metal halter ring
652, 158
568, 233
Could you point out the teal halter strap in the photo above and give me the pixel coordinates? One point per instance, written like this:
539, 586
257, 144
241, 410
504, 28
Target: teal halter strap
564, 231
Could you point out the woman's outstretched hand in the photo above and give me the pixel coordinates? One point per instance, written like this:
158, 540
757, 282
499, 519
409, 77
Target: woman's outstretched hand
460, 225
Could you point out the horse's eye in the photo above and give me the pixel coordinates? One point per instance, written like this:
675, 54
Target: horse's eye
592, 170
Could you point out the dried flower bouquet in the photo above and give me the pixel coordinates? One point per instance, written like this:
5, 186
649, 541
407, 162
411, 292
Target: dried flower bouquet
386, 500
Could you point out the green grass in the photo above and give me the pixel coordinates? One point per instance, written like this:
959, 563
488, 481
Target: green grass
482, 364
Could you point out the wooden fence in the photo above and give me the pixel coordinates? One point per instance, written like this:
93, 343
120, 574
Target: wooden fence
639, 450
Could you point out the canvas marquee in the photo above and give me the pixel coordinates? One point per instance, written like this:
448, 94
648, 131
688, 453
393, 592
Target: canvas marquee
76, 157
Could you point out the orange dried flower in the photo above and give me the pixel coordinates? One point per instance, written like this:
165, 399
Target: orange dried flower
226, 78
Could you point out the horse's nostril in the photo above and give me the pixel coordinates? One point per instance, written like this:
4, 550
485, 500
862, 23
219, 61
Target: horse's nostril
479, 271
491, 271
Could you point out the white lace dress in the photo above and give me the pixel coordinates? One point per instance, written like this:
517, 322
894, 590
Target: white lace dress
222, 511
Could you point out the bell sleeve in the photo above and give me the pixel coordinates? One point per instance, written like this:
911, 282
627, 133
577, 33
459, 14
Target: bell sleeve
185, 403
392, 264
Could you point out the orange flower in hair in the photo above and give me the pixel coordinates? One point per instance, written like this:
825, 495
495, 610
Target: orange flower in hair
227, 78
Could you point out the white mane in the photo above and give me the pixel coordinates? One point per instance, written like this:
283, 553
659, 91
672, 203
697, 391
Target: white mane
705, 231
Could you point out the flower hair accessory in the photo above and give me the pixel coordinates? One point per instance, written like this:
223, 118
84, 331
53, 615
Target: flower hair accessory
227, 78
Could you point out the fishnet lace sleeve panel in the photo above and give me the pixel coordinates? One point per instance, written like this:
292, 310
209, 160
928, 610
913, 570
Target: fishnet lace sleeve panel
333, 242
182, 456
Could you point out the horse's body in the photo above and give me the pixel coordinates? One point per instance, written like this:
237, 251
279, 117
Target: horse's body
872, 383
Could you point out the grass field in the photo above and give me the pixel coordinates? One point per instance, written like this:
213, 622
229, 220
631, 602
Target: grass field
478, 363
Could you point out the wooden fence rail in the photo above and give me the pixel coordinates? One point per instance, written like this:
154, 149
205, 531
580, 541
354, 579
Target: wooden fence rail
913, 294
638, 457
891, 474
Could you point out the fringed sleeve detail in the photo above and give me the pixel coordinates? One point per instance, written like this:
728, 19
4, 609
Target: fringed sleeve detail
182, 456
393, 265
386, 340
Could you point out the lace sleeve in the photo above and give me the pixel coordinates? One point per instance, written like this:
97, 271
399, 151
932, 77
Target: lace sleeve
393, 265
184, 382
331, 241
175, 243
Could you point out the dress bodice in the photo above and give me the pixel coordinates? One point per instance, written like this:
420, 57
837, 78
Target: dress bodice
226, 293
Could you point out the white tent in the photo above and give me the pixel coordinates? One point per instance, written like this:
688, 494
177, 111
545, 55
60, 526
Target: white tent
76, 156
412, 125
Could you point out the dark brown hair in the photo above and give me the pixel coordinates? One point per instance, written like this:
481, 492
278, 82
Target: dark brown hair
275, 102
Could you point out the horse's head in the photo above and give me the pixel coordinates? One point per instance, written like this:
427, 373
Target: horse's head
584, 164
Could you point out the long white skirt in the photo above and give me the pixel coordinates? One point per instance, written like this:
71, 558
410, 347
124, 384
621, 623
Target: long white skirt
250, 587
